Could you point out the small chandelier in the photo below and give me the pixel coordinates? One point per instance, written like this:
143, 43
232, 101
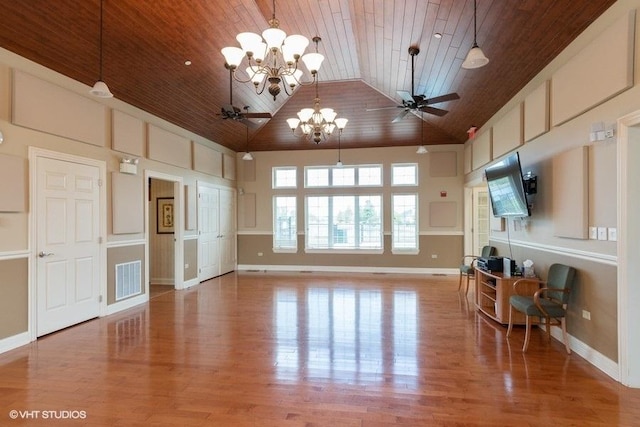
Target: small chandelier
317, 123
273, 58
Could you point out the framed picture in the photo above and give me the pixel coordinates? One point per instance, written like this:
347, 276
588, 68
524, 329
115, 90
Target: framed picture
164, 215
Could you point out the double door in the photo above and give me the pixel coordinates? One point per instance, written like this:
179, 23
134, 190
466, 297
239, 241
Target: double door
216, 231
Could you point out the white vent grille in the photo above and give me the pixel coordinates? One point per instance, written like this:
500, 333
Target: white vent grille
128, 279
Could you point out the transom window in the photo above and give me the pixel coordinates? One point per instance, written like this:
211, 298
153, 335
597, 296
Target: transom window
343, 176
404, 174
285, 177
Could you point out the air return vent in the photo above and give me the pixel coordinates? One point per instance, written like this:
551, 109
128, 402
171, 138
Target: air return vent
128, 279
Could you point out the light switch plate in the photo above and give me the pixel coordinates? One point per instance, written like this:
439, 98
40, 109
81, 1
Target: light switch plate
612, 234
602, 233
593, 233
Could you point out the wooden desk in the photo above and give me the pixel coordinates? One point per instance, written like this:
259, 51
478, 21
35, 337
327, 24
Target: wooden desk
492, 295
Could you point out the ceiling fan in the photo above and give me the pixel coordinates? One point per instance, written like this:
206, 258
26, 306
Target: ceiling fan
418, 103
229, 111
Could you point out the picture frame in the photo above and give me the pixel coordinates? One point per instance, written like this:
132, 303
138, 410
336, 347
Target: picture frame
164, 215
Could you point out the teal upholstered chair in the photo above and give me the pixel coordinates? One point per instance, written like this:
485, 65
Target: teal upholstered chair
549, 302
468, 264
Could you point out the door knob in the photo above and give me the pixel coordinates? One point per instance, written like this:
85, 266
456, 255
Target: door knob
43, 254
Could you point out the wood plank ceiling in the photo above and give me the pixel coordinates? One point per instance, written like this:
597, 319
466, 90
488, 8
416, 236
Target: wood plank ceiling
365, 43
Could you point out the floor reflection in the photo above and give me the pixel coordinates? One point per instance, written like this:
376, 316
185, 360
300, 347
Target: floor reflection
346, 334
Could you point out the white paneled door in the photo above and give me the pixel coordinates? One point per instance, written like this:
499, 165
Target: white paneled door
208, 232
216, 232
228, 233
68, 246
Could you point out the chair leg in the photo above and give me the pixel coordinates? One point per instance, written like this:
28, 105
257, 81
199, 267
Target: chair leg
527, 334
467, 290
548, 322
510, 328
460, 282
563, 324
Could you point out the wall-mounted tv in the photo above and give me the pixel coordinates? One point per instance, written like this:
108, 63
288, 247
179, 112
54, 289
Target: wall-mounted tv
506, 188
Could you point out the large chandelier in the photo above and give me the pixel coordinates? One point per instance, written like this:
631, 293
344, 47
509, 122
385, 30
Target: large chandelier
317, 123
272, 58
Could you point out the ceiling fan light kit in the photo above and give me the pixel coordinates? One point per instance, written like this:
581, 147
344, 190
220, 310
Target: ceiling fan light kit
100, 88
273, 59
476, 57
418, 104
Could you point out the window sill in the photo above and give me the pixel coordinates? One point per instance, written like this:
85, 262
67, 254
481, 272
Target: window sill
405, 251
345, 251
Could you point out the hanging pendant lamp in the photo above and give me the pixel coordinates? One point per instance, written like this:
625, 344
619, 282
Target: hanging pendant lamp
247, 155
422, 149
476, 57
100, 89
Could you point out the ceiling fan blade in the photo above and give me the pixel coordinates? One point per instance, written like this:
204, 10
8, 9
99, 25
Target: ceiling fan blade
441, 98
385, 108
432, 110
400, 116
406, 96
249, 123
257, 115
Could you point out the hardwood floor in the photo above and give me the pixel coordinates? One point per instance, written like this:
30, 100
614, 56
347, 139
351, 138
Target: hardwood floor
306, 349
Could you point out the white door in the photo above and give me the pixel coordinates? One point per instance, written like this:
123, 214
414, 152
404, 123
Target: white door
68, 247
208, 233
227, 231
480, 219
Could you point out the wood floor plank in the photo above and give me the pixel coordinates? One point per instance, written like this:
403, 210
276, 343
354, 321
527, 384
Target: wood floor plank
266, 349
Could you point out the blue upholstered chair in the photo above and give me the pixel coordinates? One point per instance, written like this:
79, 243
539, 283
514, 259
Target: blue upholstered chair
468, 265
549, 302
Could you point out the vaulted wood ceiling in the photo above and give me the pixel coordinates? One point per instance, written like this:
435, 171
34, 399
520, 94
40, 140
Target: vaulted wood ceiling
365, 43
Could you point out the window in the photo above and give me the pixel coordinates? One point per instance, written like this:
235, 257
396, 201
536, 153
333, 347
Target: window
370, 175
284, 177
344, 222
343, 176
405, 222
404, 174
285, 235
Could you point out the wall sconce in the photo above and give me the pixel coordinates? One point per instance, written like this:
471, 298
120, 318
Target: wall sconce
129, 166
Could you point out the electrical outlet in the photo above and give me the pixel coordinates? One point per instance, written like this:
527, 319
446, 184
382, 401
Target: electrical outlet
434, 256
260, 254
612, 233
593, 233
586, 314
186, 266
602, 233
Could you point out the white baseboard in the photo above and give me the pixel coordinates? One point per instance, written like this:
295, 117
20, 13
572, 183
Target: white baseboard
349, 269
592, 356
14, 341
128, 303
190, 283
162, 281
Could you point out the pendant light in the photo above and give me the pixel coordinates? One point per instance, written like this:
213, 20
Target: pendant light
422, 149
339, 162
100, 89
247, 155
476, 57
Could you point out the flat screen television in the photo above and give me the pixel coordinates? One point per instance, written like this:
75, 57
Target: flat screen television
506, 188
